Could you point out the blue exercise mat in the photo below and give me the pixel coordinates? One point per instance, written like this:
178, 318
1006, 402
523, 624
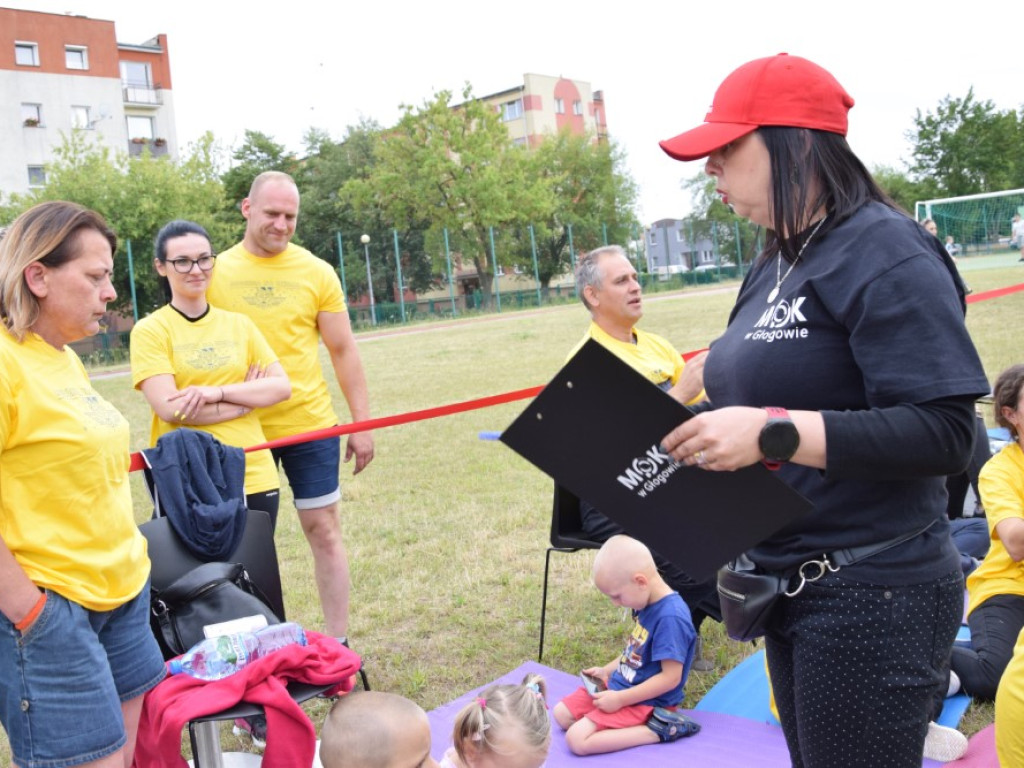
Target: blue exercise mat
743, 692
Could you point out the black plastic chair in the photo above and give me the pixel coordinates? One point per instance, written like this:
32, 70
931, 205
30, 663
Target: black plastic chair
567, 535
171, 559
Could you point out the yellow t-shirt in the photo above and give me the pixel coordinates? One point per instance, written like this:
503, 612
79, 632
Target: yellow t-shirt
652, 356
283, 295
1010, 708
212, 351
1001, 485
65, 502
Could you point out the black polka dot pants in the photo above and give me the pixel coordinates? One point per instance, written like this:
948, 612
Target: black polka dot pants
855, 667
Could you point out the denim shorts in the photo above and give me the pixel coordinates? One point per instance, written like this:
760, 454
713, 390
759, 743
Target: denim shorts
63, 681
312, 469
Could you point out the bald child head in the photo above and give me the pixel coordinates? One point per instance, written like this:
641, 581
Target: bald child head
371, 729
620, 558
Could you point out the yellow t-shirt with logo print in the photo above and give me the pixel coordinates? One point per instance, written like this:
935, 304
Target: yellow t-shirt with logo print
213, 351
652, 356
65, 501
283, 294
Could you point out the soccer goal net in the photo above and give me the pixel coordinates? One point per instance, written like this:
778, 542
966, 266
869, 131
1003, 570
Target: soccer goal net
978, 223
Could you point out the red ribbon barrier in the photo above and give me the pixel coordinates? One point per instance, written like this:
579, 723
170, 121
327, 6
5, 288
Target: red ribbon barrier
137, 462
995, 293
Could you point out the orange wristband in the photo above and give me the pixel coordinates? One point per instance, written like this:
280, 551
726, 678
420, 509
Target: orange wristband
33, 614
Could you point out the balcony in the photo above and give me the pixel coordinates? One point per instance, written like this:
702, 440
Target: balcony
157, 147
141, 94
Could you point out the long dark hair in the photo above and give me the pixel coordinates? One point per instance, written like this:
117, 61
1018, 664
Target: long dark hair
806, 162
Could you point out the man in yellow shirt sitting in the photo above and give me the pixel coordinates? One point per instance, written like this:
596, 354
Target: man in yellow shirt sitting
607, 284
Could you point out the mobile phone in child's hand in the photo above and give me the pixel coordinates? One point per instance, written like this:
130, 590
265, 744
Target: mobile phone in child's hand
592, 684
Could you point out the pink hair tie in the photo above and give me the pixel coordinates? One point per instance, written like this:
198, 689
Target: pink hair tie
482, 702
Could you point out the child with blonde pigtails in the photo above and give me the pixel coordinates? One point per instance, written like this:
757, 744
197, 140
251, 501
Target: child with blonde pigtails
506, 726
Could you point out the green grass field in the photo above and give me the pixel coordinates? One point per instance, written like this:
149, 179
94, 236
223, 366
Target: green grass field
447, 533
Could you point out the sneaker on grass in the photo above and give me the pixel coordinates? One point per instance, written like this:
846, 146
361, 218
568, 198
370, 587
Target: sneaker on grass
944, 744
255, 726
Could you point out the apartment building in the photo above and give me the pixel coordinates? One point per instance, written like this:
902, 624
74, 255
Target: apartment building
64, 72
543, 105
672, 248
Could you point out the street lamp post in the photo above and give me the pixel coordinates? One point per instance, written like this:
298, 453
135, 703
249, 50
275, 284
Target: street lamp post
365, 240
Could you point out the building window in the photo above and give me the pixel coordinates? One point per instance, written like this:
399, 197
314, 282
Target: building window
80, 117
137, 83
654, 237
136, 74
32, 114
26, 54
559, 106
512, 110
76, 57
36, 176
577, 107
140, 127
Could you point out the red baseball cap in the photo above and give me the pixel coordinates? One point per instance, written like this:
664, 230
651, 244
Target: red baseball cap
779, 90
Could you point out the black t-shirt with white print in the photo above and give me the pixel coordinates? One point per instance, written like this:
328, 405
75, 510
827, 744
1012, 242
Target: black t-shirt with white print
869, 318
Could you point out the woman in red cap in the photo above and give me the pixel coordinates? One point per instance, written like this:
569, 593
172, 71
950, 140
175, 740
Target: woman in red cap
847, 367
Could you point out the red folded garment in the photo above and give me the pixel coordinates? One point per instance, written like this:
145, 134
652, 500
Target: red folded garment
291, 738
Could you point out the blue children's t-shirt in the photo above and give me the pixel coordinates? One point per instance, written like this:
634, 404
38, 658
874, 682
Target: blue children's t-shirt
662, 630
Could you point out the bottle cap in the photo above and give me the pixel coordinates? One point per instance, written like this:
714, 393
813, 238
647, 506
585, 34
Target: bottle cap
174, 667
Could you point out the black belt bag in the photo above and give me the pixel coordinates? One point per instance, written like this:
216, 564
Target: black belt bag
748, 594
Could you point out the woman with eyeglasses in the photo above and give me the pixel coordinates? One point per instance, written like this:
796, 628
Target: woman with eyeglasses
203, 367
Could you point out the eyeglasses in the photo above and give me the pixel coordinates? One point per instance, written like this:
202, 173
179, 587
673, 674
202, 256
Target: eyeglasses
184, 266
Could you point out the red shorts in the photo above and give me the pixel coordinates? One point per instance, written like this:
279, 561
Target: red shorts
581, 704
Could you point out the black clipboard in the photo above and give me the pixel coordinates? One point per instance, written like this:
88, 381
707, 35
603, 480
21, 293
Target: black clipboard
596, 427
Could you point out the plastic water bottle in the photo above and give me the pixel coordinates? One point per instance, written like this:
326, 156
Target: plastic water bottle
217, 657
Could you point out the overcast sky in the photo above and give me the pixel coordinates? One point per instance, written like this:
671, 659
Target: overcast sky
283, 67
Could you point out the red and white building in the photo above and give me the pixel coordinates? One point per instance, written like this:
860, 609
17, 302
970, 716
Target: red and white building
543, 105
64, 72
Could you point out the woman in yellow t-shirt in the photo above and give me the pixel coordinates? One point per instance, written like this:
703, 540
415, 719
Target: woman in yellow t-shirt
1010, 709
995, 609
76, 650
204, 367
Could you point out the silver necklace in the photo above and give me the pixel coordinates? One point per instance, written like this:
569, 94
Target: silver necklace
781, 278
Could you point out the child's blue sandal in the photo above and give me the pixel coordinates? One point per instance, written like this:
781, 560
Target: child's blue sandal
671, 724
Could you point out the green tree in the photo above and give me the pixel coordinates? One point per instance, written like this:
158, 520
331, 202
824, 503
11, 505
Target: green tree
452, 167
968, 147
713, 220
326, 215
589, 190
904, 191
137, 196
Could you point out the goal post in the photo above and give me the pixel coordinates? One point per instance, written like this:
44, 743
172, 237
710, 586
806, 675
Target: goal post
978, 223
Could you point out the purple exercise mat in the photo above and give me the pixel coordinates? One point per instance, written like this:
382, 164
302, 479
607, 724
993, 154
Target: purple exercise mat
981, 751
725, 741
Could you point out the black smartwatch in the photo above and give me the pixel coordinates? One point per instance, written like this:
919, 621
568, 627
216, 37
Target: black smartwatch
779, 438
